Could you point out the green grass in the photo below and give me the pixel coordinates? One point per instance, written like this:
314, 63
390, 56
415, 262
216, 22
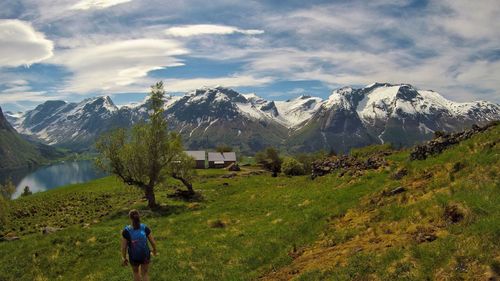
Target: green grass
267, 218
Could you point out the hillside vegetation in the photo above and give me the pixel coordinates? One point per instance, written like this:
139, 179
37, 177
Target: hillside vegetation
16, 152
437, 218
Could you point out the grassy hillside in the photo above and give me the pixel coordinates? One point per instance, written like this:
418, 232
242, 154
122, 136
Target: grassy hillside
444, 224
16, 152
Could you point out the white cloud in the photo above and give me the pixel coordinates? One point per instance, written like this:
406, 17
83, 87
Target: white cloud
111, 67
26, 95
184, 85
97, 4
206, 29
21, 44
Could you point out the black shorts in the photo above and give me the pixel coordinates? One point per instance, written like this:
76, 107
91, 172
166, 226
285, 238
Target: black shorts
139, 262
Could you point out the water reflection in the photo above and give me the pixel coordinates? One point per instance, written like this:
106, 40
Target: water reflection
56, 175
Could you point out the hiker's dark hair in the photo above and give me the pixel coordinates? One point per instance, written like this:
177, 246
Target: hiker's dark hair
135, 217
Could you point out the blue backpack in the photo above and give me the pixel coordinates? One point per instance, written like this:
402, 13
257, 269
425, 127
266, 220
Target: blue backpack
138, 248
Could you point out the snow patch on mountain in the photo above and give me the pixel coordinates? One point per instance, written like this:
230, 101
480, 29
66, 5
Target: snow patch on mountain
294, 112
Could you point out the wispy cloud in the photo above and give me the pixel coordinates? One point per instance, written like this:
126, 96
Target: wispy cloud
205, 29
97, 4
184, 85
21, 44
111, 66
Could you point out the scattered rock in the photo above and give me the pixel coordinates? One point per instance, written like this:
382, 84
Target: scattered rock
442, 141
346, 163
48, 229
397, 190
424, 235
400, 173
233, 167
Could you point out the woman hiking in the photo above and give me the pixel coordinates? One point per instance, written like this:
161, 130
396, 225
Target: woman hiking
135, 239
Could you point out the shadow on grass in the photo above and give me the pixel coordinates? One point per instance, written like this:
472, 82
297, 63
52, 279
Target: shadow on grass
160, 211
186, 196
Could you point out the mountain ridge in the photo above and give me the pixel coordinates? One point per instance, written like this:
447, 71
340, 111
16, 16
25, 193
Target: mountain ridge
350, 117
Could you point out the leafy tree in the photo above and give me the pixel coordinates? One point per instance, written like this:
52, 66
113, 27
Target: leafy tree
292, 167
26, 191
148, 154
223, 148
8, 189
270, 160
183, 170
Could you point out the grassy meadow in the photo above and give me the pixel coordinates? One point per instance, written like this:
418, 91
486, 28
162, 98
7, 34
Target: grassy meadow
445, 225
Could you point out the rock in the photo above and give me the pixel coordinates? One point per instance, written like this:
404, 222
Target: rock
233, 167
397, 190
442, 141
425, 237
48, 230
346, 163
225, 184
400, 173
424, 234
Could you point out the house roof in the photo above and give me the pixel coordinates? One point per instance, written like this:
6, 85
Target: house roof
215, 156
229, 156
197, 154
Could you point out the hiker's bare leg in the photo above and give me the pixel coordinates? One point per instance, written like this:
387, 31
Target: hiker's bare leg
137, 275
145, 272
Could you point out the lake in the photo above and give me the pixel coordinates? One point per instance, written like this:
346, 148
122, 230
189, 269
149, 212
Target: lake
52, 176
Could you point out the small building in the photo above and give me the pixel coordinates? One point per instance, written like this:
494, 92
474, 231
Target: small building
229, 158
199, 156
215, 160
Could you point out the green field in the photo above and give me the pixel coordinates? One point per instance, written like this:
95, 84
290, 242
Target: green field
256, 226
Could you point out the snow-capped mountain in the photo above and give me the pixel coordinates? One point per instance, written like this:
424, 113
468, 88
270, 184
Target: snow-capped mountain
381, 112
66, 124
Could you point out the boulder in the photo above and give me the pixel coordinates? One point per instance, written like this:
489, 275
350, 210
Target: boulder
397, 190
49, 229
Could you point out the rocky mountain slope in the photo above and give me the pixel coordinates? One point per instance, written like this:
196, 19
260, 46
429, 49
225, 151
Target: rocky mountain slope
379, 113
16, 152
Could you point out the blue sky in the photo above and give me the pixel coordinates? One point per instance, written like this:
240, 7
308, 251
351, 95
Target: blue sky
71, 50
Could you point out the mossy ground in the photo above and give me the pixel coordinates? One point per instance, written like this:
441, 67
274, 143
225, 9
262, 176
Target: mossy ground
330, 228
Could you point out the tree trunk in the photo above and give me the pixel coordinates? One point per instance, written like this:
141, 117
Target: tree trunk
150, 196
186, 183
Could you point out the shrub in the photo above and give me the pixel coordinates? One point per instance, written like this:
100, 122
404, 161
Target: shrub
292, 167
26, 191
8, 189
270, 160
